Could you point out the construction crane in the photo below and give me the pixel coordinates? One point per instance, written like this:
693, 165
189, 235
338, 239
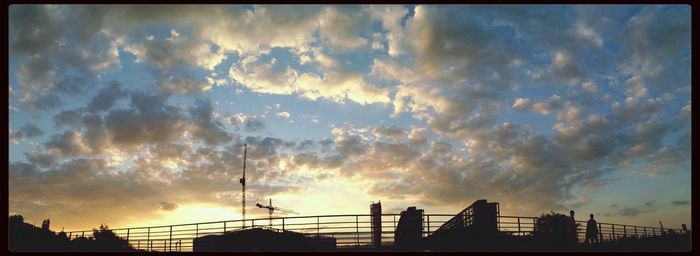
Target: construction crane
271, 209
245, 152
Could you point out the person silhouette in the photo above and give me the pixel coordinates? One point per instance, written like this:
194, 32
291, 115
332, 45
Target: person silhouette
592, 231
573, 229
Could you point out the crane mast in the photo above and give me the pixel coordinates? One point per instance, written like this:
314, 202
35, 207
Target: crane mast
245, 152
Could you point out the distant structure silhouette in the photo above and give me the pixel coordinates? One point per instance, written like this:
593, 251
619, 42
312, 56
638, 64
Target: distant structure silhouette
481, 216
375, 211
242, 180
475, 228
45, 224
409, 231
592, 231
685, 229
262, 240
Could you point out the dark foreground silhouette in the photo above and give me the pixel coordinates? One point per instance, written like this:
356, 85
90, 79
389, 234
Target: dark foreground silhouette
553, 232
26, 237
258, 239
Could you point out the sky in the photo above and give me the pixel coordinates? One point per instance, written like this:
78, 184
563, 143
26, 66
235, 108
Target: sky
137, 115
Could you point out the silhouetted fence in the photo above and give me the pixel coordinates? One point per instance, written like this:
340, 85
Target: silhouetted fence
606, 231
350, 231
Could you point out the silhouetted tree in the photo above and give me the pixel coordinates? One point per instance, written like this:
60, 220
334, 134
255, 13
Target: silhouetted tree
554, 231
27, 237
106, 240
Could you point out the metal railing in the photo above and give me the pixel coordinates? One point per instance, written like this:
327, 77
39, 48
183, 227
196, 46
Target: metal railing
349, 230
607, 232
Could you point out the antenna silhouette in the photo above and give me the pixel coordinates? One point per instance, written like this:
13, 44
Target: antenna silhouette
245, 152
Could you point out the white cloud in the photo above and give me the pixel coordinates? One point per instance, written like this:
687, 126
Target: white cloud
341, 26
588, 34
284, 114
264, 76
589, 86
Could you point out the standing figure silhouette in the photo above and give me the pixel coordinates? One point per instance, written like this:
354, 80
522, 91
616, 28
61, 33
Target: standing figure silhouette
592, 231
572, 228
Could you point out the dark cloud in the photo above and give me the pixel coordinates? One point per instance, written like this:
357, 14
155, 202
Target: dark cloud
29, 130
655, 35
129, 127
40, 159
168, 206
31, 28
206, 127
254, 124
95, 136
392, 132
69, 118
182, 84
633, 212
679, 202
69, 143
71, 84
152, 121
106, 97
44, 102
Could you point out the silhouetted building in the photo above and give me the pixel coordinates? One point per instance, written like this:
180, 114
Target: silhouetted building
323, 243
375, 211
258, 239
409, 231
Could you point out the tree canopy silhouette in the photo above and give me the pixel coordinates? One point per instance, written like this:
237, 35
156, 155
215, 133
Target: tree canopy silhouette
27, 237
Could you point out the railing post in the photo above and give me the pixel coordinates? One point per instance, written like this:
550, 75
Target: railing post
127, 235
653, 230
148, 240
357, 230
224, 227
138, 245
428, 233
394, 222
252, 223
318, 226
283, 224
171, 238
165, 245
635, 232
600, 231
518, 225
645, 232
624, 231
613, 232
196, 228
83, 235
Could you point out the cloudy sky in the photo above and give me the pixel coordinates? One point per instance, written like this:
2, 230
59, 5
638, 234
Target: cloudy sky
137, 115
